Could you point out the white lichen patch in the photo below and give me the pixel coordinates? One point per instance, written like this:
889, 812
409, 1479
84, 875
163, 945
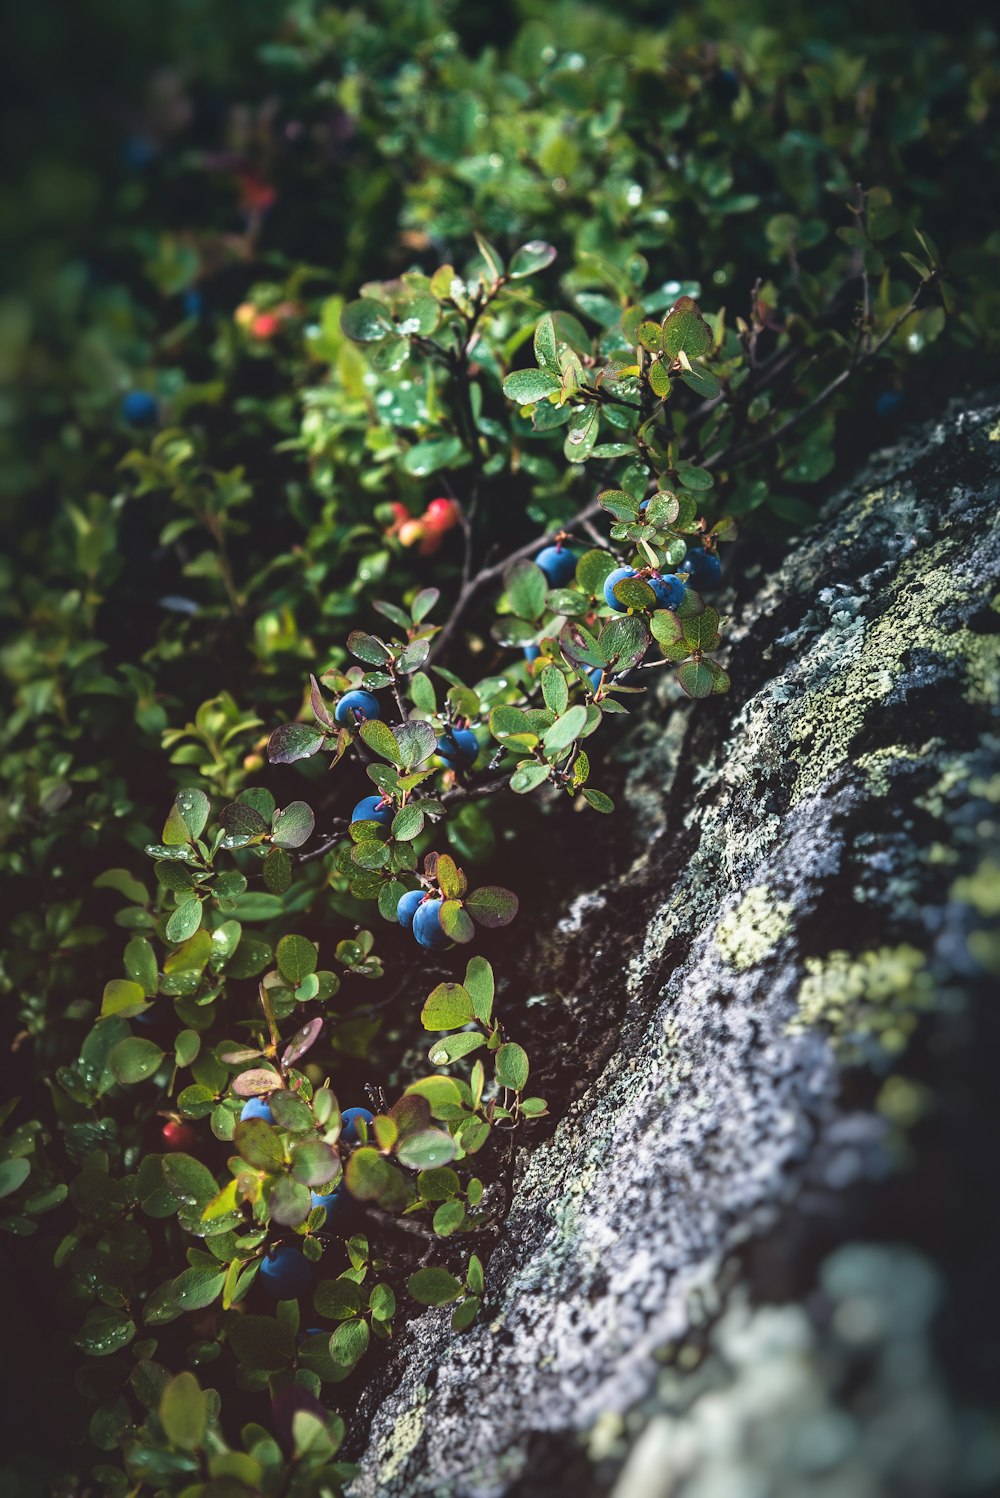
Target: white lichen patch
750, 933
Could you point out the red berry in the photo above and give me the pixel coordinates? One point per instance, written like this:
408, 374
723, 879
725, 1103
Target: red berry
264, 325
410, 532
442, 514
178, 1136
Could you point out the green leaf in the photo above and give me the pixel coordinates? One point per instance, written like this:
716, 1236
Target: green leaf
480, 986
416, 742
367, 648
382, 1302
453, 1047
465, 1314
296, 957
512, 1067
474, 1278
188, 1180
290, 1202
407, 824
448, 1218
422, 693
528, 776
702, 381
380, 738
366, 321
183, 1412
618, 503
579, 647
13, 1174
339, 1299
565, 729
427, 457
123, 997
531, 258
598, 800
294, 741
554, 689
349, 1343
696, 678
315, 1163
134, 1060
526, 586
455, 923
526, 386
492, 905
176, 832
194, 807
447, 1007
698, 480
634, 593
186, 1047
685, 329
124, 883
294, 825
277, 871
184, 921
368, 1175
433, 1286
105, 1331
593, 568
426, 1149
625, 641
261, 1342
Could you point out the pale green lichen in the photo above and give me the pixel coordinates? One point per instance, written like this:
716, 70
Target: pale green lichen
980, 889
877, 994
750, 933
878, 766
396, 1448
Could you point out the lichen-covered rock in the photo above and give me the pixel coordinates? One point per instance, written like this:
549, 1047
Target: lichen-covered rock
814, 877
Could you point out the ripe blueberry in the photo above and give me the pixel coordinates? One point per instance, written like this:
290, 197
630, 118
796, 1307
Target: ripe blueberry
139, 408
458, 747
257, 1107
370, 809
595, 677
407, 907
889, 403
704, 569
333, 1202
531, 652
669, 591
427, 925
619, 575
285, 1274
349, 1120
355, 705
558, 564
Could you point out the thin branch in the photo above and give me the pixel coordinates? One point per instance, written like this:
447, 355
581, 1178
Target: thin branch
741, 455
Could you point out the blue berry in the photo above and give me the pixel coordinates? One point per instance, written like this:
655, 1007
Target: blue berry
704, 569
595, 677
458, 747
285, 1274
531, 652
559, 565
257, 1107
427, 925
889, 403
370, 809
139, 408
669, 591
407, 907
619, 575
349, 1120
355, 705
332, 1201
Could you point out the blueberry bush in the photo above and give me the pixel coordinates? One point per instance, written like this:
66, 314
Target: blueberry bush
383, 394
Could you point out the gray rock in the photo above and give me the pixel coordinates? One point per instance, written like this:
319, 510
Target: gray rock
815, 875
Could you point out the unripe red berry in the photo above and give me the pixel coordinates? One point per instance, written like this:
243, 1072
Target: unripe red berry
410, 532
442, 514
264, 325
178, 1136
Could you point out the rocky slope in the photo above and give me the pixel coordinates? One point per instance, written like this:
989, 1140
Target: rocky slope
812, 900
